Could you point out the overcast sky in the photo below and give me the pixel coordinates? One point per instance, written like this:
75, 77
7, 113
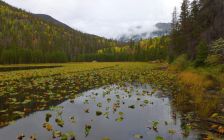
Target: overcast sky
108, 18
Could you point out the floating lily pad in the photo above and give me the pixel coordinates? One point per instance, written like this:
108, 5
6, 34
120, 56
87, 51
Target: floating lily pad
72, 119
48, 126
159, 138
119, 119
138, 136
108, 100
171, 131
59, 122
131, 106
86, 110
87, 129
105, 138
98, 113
146, 101
99, 105
47, 117
56, 134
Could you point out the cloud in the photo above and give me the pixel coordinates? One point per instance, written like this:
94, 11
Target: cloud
108, 18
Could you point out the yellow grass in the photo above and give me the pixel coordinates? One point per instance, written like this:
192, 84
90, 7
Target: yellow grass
195, 80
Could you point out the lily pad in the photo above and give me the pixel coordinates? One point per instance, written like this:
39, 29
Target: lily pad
59, 122
87, 129
159, 138
131, 106
47, 117
119, 119
48, 126
98, 113
138, 136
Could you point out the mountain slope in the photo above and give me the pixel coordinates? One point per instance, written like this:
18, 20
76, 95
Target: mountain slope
25, 37
51, 20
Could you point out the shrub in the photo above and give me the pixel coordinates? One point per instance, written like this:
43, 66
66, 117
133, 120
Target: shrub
202, 53
217, 47
214, 60
181, 62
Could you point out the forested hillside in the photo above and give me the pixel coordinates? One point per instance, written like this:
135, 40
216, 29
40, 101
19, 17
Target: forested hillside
143, 50
33, 38
200, 23
27, 38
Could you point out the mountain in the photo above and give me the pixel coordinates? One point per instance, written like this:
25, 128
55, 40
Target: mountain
138, 33
51, 20
29, 38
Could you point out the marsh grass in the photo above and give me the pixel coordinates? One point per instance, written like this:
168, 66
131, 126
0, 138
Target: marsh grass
196, 80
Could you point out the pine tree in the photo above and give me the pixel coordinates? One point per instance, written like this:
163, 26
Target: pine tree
174, 35
184, 15
174, 23
195, 7
202, 53
194, 28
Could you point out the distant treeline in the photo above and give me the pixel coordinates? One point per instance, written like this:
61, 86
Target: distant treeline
144, 50
197, 34
16, 55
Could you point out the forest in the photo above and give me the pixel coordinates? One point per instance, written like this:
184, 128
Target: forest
39, 41
196, 32
143, 50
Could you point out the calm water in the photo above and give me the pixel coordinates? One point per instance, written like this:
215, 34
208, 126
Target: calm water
138, 120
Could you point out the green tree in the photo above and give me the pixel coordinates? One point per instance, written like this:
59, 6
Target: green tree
202, 53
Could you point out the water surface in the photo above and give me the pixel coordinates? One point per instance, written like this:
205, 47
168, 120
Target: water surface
139, 105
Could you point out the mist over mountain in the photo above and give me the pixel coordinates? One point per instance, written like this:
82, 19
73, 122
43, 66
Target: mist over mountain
140, 32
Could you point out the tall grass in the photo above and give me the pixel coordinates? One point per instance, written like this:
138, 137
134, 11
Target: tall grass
196, 80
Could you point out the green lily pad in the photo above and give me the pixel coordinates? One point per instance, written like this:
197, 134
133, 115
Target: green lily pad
56, 134
138, 136
99, 105
98, 113
59, 122
87, 129
47, 117
131, 106
146, 101
105, 138
159, 138
119, 119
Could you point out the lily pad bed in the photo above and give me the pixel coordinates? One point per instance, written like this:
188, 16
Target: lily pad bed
109, 117
17, 68
24, 93
20, 97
